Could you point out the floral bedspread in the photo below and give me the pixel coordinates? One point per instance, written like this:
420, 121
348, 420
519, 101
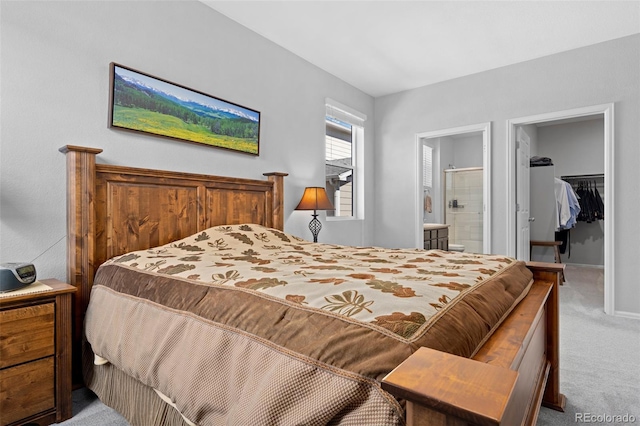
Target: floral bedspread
245, 324
396, 289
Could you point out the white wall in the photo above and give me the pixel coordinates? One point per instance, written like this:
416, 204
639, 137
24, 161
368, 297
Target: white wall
575, 148
597, 74
446, 153
54, 91
467, 150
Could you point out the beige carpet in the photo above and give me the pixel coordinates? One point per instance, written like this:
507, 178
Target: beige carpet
599, 356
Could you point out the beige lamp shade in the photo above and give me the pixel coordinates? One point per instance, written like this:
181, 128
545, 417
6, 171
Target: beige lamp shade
315, 198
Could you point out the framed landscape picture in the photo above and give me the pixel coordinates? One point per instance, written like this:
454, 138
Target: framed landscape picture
147, 104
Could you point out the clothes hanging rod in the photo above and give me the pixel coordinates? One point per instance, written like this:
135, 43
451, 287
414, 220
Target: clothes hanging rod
586, 177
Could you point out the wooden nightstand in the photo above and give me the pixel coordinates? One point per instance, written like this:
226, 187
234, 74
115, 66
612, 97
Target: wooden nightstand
35, 356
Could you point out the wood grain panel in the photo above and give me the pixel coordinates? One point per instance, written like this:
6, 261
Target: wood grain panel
458, 387
26, 390
277, 214
552, 273
143, 216
520, 345
226, 206
64, 351
140, 208
419, 415
532, 375
17, 346
81, 227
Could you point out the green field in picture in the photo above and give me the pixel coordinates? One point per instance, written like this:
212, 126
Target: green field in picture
168, 125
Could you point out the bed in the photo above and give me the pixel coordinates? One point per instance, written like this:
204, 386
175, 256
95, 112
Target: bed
204, 311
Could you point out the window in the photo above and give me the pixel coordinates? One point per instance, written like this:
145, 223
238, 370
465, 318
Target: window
339, 166
343, 137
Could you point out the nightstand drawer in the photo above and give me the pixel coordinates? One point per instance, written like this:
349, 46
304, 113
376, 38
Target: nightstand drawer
27, 334
26, 390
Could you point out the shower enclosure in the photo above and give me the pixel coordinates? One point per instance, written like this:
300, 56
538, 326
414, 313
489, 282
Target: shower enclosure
464, 207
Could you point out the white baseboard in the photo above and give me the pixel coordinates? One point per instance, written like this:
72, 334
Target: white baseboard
582, 265
623, 314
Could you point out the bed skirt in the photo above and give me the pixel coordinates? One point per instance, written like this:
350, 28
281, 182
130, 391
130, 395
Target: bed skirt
136, 402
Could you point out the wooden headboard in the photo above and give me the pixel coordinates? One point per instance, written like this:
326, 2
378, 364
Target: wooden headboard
112, 210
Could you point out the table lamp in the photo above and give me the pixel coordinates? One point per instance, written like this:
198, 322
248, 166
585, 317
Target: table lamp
315, 198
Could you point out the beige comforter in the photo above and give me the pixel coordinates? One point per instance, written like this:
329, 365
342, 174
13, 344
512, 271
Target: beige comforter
248, 325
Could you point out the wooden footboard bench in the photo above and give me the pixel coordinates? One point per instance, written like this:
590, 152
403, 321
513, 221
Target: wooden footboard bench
505, 382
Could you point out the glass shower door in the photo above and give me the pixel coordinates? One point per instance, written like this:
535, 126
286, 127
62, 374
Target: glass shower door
464, 207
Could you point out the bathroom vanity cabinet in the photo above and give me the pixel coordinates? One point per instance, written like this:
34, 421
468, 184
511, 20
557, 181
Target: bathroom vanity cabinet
436, 236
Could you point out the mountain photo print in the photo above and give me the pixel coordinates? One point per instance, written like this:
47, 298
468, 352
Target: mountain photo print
147, 104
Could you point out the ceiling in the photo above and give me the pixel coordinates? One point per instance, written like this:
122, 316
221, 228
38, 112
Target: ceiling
383, 47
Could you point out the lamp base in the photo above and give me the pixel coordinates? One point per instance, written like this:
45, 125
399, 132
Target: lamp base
315, 226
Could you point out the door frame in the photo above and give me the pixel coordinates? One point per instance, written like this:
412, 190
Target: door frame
485, 128
607, 110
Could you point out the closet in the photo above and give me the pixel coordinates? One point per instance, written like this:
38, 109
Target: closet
559, 205
575, 147
589, 189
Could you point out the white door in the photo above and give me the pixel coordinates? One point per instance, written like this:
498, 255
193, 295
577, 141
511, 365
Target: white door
522, 199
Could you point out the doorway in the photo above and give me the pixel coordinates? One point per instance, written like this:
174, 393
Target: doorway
515, 186
440, 143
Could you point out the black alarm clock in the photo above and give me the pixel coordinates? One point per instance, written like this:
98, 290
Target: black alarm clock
14, 276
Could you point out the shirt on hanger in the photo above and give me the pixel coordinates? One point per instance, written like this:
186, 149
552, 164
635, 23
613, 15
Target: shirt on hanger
568, 205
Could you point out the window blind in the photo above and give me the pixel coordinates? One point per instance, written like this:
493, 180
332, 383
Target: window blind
427, 166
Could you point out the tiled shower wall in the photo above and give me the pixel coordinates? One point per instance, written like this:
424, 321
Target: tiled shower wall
463, 212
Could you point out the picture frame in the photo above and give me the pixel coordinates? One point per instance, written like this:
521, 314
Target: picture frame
142, 103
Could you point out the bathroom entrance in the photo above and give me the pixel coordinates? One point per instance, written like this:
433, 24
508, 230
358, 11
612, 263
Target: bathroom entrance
453, 191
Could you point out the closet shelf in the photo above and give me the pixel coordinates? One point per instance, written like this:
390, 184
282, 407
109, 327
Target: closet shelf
584, 177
